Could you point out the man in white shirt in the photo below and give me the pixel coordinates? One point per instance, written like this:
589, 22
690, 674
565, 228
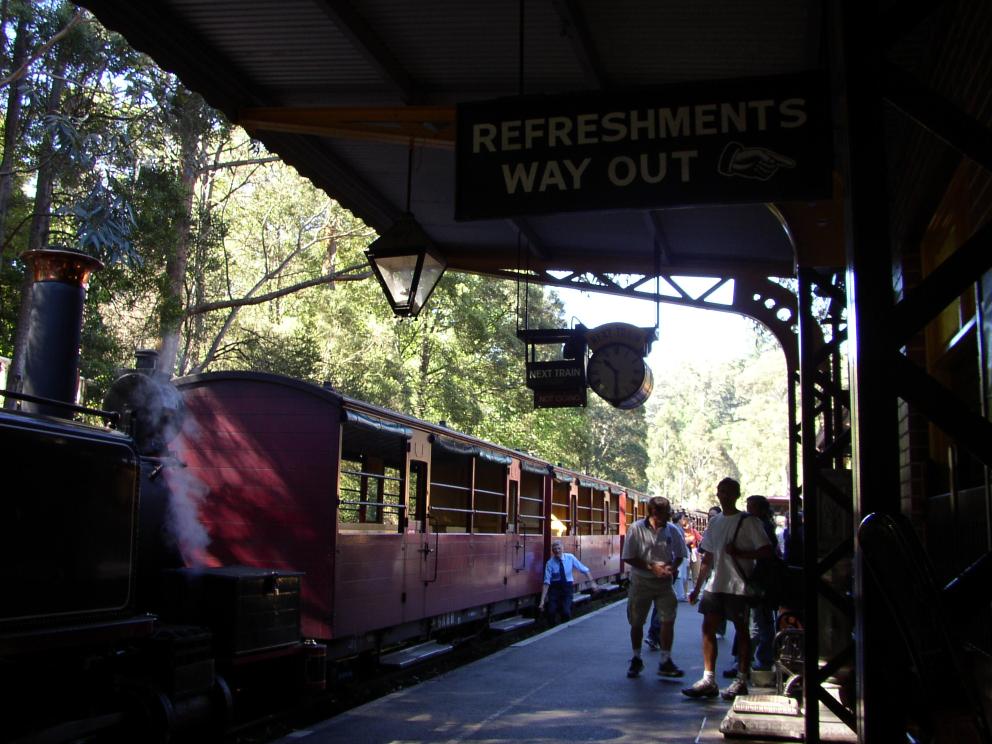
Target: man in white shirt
654, 548
732, 542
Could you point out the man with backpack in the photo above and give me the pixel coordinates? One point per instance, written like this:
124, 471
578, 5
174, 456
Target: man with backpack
731, 544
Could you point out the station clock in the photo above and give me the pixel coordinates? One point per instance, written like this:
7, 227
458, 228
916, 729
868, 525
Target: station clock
620, 376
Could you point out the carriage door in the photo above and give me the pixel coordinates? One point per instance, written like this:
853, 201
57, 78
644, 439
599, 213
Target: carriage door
516, 556
561, 512
419, 540
613, 530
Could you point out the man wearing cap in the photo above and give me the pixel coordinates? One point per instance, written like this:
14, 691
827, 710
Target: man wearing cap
654, 548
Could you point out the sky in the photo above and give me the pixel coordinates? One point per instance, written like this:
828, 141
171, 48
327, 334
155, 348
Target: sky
685, 334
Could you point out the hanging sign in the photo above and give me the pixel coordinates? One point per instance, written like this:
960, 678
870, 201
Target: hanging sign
731, 141
557, 384
557, 375
560, 398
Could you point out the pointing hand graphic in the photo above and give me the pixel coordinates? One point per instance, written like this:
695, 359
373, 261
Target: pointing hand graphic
752, 162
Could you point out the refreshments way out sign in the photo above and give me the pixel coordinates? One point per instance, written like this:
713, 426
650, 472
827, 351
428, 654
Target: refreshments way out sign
735, 141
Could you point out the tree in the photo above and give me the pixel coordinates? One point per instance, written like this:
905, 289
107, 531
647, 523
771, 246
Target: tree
724, 420
245, 265
59, 139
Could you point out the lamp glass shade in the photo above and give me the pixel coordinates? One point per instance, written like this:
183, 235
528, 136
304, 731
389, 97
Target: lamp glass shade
430, 275
407, 266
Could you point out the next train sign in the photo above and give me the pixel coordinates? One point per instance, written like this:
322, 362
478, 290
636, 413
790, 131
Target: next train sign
734, 141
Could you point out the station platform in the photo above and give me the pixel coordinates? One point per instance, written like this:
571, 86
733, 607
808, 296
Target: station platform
568, 684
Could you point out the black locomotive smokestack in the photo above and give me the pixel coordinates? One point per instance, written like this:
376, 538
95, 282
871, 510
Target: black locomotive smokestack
55, 325
146, 361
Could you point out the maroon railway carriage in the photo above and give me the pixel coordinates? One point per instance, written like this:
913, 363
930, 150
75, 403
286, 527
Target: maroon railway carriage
400, 527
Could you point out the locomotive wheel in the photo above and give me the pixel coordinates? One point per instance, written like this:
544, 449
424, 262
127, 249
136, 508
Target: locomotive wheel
222, 702
150, 715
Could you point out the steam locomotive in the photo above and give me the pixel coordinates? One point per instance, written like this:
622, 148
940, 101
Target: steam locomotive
234, 534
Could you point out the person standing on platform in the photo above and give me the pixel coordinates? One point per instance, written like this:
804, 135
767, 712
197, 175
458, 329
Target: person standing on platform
763, 614
556, 594
692, 540
688, 569
731, 535
654, 548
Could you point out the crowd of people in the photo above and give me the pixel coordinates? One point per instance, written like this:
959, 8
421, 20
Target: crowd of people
671, 562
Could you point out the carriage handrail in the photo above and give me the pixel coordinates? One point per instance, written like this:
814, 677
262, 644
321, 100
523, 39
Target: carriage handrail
382, 504
452, 486
378, 476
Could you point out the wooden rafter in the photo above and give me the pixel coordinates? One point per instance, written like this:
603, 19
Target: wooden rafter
425, 125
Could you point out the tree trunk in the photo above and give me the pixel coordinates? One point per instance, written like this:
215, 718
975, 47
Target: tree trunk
40, 224
12, 126
178, 260
41, 220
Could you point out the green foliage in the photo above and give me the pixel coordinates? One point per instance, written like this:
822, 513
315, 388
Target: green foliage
189, 213
294, 355
717, 421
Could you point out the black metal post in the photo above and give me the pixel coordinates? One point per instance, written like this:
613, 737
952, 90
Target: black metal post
874, 421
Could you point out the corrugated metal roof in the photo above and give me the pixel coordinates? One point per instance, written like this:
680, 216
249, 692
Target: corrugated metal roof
290, 53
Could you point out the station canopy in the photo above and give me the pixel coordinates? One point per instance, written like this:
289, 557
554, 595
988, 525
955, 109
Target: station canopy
591, 137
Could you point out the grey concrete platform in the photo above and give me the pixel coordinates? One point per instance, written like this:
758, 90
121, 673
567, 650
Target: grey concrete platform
568, 684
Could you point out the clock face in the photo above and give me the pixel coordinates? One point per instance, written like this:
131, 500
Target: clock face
619, 375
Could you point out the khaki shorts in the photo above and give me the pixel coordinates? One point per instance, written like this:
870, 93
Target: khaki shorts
643, 592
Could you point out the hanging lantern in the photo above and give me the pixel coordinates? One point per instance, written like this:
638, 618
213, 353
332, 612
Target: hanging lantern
407, 265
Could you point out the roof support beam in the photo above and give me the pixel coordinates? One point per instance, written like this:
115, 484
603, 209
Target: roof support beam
935, 113
534, 243
905, 17
661, 244
432, 126
582, 44
352, 25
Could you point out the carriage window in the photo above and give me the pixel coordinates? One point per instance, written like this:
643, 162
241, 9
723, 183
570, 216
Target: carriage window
511, 516
451, 491
613, 514
561, 518
531, 503
630, 514
370, 479
598, 514
371, 495
583, 512
418, 492
490, 496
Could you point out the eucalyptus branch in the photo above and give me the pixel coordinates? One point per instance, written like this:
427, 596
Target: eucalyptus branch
238, 163
344, 275
42, 50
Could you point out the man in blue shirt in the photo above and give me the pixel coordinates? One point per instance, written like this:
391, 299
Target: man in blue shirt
558, 585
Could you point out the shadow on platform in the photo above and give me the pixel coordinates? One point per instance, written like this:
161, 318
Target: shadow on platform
566, 684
